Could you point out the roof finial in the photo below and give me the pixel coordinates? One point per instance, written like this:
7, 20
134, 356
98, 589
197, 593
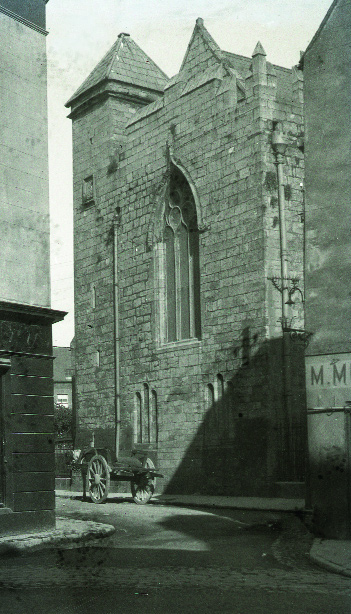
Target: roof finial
258, 50
259, 65
122, 34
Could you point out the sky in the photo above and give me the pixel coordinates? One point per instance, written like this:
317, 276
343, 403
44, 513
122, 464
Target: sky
80, 33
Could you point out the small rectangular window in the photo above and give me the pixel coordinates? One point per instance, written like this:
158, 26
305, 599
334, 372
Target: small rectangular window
88, 192
62, 399
93, 297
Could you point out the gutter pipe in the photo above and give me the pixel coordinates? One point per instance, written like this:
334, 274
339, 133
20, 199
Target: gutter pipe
279, 143
116, 225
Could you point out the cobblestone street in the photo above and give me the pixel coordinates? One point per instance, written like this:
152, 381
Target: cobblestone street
175, 559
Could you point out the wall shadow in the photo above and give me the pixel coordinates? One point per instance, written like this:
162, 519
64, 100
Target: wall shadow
248, 441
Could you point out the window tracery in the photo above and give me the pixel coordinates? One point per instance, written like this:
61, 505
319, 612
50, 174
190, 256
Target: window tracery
182, 267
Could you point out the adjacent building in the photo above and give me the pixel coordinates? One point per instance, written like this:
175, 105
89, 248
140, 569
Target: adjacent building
188, 239
327, 75
26, 385
63, 376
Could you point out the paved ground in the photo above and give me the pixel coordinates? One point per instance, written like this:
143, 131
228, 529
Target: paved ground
168, 559
67, 532
332, 554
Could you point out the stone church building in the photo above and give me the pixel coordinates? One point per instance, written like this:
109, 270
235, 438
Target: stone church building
188, 231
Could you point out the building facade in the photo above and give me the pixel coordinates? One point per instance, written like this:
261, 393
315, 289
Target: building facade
188, 227
63, 376
327, 76
26, 386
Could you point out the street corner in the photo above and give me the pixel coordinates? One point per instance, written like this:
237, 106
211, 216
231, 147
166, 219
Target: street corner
333, 555
67, 532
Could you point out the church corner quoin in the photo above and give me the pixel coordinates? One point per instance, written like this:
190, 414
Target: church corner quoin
177, 238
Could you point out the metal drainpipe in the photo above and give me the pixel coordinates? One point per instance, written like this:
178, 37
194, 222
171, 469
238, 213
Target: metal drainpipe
116, 225
282, 228
284, 274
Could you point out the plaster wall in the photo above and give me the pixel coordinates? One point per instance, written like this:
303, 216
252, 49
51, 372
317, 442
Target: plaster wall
327, 76
24, 204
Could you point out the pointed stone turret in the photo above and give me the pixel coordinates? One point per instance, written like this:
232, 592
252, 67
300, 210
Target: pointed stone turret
297, 84
125, 63
259, 50
259, 65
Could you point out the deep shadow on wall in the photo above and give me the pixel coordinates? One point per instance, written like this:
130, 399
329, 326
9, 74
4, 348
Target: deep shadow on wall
248, 444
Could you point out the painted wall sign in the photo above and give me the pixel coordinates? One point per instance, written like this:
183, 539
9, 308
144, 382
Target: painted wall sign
328, 381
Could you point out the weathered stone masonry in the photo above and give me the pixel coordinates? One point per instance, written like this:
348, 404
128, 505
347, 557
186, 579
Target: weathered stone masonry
212, 405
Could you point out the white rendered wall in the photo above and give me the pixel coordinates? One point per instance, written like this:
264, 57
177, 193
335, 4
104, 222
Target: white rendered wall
24, 198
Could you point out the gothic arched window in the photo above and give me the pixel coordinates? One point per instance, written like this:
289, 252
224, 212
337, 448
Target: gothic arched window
138, 433
181, 266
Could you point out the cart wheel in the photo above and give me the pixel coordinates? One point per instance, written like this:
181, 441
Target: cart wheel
143, 487
98, 479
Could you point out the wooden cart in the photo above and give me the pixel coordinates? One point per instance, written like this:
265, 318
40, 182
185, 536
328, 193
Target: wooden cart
99, 467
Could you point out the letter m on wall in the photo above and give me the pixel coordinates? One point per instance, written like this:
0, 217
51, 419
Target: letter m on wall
317, 378
339, 376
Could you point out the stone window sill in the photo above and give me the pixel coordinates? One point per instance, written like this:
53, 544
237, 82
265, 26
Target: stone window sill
179, 345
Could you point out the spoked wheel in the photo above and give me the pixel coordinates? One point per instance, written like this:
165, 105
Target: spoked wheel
143, 487
98, 479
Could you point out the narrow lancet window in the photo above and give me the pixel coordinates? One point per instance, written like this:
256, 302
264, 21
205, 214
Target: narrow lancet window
182, 268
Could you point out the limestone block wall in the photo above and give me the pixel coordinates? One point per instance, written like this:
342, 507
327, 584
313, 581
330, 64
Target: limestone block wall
281, 107
98, 147
212, 405
221, 149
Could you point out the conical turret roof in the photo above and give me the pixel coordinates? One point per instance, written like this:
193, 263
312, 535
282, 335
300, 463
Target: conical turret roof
127, 63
